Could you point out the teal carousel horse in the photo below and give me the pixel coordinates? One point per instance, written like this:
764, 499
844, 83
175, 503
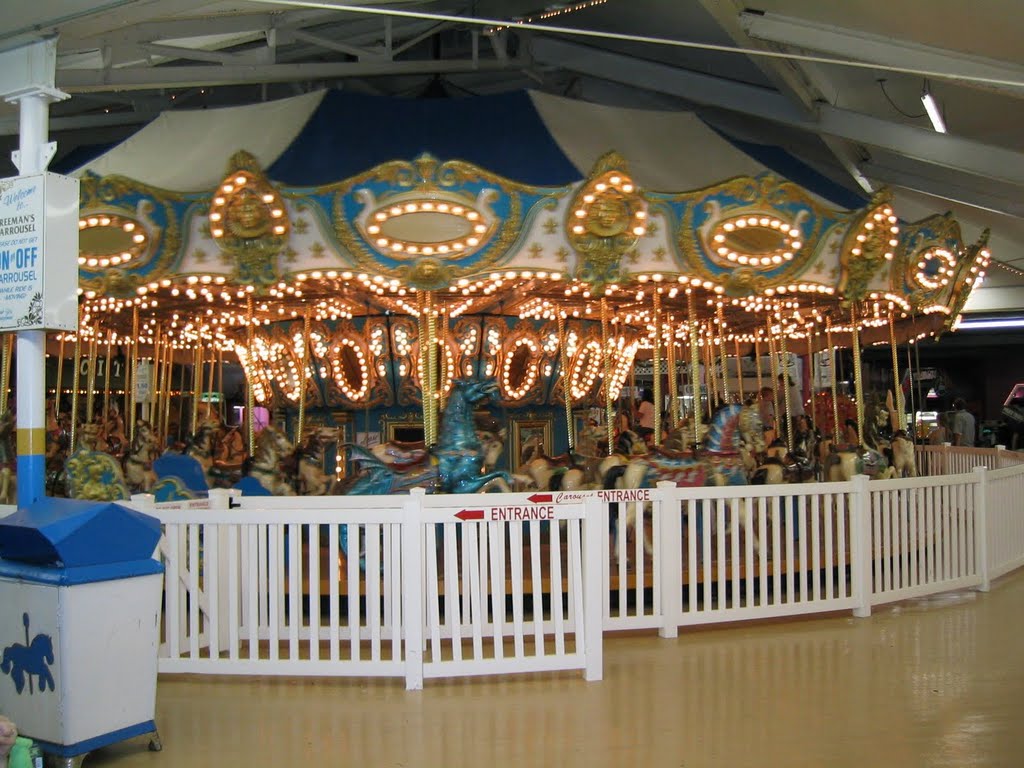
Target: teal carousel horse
454, 465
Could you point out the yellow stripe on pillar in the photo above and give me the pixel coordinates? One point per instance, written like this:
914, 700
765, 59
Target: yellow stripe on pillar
31, 442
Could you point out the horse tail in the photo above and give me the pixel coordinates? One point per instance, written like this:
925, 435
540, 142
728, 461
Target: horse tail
610, 480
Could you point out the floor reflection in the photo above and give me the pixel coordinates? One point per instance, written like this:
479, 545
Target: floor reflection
938, 682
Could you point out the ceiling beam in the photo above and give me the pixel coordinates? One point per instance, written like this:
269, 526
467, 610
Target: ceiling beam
785, 75
9, 125
807, 86
947, 190
135, 78
338, 46
886, 51
924, 145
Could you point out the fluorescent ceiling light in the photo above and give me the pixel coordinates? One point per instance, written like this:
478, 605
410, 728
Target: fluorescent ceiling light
994, 323
932, 108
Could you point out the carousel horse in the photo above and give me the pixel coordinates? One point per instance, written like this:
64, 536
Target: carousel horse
903, 459
229, 455
869, 459
310, 476
272, 447
138, 464
454, 465
735, 434
58, 444
8, 459
578, 471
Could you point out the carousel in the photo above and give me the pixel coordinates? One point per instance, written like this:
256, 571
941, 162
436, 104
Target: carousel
428, 322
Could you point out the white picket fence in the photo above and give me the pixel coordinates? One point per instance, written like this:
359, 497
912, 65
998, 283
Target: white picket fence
447, 586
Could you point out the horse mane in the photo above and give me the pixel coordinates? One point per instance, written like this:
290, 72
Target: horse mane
722, 436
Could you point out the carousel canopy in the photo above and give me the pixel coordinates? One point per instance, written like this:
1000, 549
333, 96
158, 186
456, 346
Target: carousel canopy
501, 217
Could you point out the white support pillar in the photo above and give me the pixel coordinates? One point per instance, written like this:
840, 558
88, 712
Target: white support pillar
28, 80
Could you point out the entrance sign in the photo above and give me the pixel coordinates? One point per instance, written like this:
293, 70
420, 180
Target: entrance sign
39, 253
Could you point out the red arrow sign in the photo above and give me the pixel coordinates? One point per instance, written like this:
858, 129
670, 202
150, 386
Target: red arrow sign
540, 498
470, 514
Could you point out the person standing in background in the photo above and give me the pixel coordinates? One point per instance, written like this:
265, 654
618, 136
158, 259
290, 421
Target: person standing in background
962, 424
645, 415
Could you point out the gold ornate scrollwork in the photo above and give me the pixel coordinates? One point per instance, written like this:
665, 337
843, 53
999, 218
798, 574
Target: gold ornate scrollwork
871, 241
607, 217
99, 196
427, 188
249, 220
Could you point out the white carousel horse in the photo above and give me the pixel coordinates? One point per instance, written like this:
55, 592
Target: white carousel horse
903, 459
138, 464
272, 446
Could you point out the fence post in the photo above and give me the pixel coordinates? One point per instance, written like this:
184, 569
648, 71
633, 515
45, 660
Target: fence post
981, 527
412, 588
945, 458
220, 499
670, 536
594, 541
860, 549
999, 456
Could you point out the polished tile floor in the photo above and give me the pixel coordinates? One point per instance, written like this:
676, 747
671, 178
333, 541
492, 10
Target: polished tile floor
936, 683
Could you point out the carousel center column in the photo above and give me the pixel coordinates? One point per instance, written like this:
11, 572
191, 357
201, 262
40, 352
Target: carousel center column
27, 79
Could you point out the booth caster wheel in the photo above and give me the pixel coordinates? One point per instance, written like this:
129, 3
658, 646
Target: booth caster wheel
52, 761
155, 745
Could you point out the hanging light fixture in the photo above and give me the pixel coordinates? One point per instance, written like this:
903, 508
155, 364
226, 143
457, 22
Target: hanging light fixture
932, 108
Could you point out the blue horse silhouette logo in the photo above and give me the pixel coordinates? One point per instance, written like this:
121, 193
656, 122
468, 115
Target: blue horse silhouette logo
23, 662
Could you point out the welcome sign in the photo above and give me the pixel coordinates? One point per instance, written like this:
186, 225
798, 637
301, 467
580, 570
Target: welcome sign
39, 253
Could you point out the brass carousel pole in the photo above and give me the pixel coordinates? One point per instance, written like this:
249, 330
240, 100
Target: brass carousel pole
673, 382
74, 384
739, 369
858, 385
60, 376
106, 377
691, 316
774, 366
757, 363
220, 381
785, 385
897, 390
606, 359
181, 396
197, 378
90, 381
156, 377
442, 383
421, 328
810, 378
130, 374
250, 393
832, 383
913, 396
209, 378
709, 367
168, 383
720, 316
655, 367
6, 373
302, 378
432, 362
563, 357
